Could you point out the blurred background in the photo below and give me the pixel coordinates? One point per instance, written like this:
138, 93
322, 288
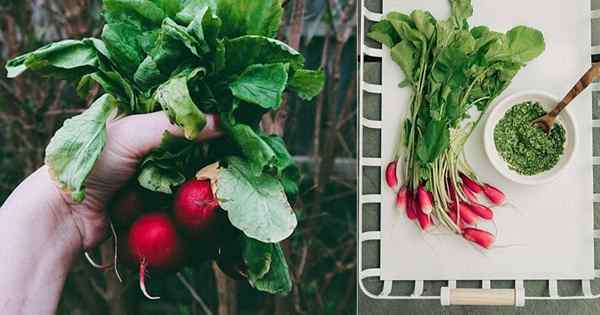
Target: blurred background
321, 135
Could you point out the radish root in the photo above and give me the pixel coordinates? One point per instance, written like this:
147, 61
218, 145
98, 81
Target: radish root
143, 281
94, 264
115, 257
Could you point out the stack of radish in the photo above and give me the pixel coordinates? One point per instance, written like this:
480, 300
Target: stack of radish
161, 240
464, 205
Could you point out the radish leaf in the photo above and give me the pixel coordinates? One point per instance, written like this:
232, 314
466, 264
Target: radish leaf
69, 58
245, 51
250, 17
262, 85
267, 268
176, 101
257, 205
76, 146
307, 83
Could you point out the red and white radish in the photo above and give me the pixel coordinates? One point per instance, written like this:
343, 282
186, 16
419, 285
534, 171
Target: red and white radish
411, 206
471, 184
424, 200
482, 211
424, 218
196, 209
153, 243
391, 178
494, 194
480, 237
401, 198
464, 211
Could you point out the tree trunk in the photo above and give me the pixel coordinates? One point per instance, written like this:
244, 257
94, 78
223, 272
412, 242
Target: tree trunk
227, 292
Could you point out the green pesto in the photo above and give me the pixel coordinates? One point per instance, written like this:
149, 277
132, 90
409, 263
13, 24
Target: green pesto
527, 149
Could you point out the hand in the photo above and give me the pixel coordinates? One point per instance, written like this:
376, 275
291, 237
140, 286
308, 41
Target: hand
129, 139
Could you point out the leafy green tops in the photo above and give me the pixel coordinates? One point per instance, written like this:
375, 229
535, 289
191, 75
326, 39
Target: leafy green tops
189, 58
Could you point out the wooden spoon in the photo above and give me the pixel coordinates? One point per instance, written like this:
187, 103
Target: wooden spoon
546, 122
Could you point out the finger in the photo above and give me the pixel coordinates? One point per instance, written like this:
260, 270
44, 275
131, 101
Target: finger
140, 134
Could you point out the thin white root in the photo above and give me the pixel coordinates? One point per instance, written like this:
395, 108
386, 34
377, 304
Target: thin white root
115, 257
143, 282
194, 294
94, 264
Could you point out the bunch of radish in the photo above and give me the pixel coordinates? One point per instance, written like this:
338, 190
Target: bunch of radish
159, 238
458, 207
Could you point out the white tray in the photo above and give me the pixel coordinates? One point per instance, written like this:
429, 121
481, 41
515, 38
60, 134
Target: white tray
569, 254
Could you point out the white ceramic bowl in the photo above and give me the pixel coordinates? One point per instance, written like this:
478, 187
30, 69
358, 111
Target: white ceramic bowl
547, 101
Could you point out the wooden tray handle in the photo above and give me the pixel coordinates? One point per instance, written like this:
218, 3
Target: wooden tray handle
514, 297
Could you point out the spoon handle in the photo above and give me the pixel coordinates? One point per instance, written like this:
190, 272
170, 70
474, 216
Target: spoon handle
583, 83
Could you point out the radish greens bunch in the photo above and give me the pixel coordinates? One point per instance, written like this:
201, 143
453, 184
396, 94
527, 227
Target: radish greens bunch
189, 58
454, 72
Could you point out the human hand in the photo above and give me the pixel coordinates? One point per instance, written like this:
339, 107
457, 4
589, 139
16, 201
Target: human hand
129, 139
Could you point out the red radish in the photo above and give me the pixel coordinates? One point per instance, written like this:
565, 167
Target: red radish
390, 174
482, 238
469, 194
196, 210
411, 207
494, 194
126, 207
154, 244
482, 211
471, 184
424, 200
466, 214
401, 198
454, 218
424, 218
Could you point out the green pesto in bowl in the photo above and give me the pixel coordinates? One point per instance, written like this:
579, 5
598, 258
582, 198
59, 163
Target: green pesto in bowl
527, 149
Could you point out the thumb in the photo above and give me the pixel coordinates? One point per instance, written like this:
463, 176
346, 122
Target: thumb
137, 135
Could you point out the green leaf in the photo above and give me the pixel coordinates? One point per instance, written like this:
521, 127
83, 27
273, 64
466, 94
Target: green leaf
123, 10
121, 40
287, 171
257, 257
160, 180
434, 141
148, 75
169, 52
256, 205
461, 11
262, 85
175, 99
177, 32
424, 22
75, 56
257, 152
165, 167
277, 280
525, 43
405, 55
284, 158
193, 9
76, 146
248, 50
307, 83
250, 17
383, 32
